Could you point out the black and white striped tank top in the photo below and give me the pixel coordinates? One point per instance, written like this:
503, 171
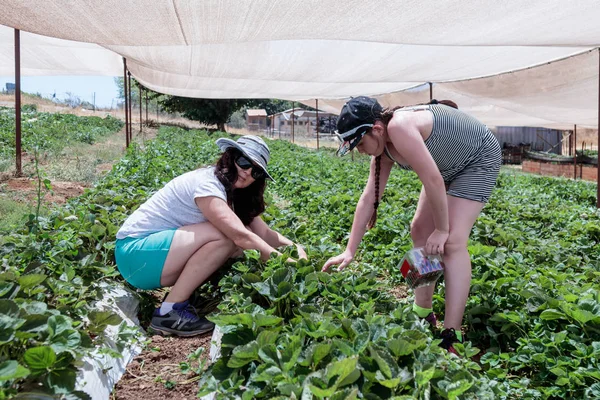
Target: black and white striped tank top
457, 140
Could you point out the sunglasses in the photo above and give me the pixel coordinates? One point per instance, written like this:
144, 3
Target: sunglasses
244, 163
351, 139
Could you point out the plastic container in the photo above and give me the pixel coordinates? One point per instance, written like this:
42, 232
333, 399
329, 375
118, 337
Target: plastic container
420, 269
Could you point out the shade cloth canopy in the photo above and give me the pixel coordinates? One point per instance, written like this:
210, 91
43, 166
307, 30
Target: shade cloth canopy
509, 63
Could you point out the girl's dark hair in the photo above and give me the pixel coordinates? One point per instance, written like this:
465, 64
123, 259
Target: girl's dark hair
246, 203
386, 117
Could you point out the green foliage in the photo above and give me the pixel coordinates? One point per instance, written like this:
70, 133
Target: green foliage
207, 111
52, 132
291, 331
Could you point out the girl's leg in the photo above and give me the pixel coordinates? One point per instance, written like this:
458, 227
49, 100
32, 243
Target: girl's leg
421, 228
195, 253
462, 216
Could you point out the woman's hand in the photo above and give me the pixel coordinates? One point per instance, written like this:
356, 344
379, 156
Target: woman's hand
301, 253
436, 241
342, 260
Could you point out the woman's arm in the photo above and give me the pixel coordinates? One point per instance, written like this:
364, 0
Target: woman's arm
403, 131
272, 237
363, 213
365, 206
218, 213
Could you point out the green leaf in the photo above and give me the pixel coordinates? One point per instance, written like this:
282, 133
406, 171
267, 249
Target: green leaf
267, 337
62, 380
385, 361
35, 323
251, 278
232, 319
102, 319
12, 370
280, 276
40, 359
551, 314
268, 373
98, 230
321, 350
290, 353
558, 371
266, 320
582, 316
423, 376
243, 355
31, 280
346, 394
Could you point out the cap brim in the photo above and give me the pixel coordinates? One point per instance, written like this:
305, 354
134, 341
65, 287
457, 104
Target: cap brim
356, 136
225, 143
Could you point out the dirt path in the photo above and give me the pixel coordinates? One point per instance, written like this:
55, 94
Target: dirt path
156, 374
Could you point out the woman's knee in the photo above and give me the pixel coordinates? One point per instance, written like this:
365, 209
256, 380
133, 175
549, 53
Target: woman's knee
455, 244
419, 232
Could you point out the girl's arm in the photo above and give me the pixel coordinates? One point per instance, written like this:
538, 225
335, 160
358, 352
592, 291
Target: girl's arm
362, 215
218, 213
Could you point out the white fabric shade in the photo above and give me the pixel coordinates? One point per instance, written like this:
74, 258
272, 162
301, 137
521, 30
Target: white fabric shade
43, 55
508, 63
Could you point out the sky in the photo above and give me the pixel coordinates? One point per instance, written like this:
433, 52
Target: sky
83, 87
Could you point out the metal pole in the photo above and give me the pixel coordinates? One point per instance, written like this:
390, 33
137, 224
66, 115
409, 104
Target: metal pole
18, 164
575, 156
140, 87
293, 120
430, 91
126, 102
146, 92
130, 107
317, 107
571, 144
598, 147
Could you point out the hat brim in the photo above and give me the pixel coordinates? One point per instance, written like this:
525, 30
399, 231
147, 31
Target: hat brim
225, 143
351, 139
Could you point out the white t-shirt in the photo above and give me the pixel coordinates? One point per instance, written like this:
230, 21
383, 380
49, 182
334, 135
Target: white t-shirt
173, 206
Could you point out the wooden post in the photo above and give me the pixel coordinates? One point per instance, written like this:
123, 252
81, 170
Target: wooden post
18, 162
130, 107
140, 87
317, 108
126, 102
598, 146
146, 92
575, 155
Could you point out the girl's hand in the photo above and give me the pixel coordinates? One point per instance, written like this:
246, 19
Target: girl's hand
301, 253
435, 242
342, 260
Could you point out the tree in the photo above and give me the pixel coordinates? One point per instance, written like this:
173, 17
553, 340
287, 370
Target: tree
135, 96
207, 111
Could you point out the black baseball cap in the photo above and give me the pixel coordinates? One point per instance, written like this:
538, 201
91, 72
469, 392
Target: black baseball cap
358, 115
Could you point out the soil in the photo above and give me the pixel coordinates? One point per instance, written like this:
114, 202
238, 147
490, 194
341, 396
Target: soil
27, 188
155, 374
399, 291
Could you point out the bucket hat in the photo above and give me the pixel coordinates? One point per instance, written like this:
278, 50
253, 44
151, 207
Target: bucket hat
252, 147
358, 115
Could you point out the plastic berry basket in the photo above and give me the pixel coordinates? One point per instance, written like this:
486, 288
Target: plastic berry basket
420, 269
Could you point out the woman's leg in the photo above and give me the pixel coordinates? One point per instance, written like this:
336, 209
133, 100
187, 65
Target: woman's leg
462, 216
195, 253
421, 228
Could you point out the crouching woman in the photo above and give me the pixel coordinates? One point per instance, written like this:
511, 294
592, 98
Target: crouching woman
193, 225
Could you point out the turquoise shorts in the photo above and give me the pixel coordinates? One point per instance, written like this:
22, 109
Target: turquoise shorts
141, 260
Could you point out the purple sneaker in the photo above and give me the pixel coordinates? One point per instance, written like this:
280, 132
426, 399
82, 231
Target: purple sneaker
182, 320
448, 337
431, 319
